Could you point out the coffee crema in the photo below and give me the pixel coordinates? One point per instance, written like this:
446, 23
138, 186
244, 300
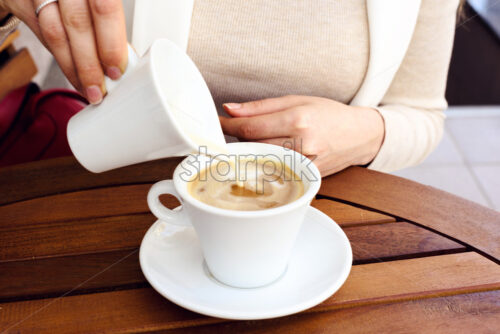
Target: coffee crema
247, 185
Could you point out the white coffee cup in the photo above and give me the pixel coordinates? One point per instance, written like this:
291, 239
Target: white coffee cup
244, 249
161, 107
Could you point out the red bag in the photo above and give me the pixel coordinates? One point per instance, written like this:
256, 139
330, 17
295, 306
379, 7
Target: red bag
33, 123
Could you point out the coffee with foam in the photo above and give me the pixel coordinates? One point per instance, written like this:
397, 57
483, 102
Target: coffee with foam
247, 185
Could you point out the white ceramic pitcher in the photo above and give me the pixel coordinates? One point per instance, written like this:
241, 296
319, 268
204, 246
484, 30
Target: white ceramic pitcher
161, 107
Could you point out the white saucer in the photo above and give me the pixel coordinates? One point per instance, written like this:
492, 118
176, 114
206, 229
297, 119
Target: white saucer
172, 261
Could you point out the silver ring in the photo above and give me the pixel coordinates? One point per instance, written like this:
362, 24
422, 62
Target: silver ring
42, 5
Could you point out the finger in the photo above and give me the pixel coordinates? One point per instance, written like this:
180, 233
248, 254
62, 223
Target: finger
77, 21
265, 106
25, 11
55, 38
279, 124
111, 35
50, 22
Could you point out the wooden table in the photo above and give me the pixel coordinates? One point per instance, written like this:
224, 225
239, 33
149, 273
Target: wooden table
424, 260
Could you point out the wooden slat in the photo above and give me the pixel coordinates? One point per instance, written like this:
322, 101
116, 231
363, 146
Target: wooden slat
121, 200
395, 241
461, 219
426, 277
70, 216
143, 309
471, 313
127, 311
55, 276
80, 205
48, 177
67, 238
348, 215
86, 204
16, 72
58, 274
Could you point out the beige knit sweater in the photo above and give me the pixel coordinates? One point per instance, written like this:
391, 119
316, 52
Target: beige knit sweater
248, 50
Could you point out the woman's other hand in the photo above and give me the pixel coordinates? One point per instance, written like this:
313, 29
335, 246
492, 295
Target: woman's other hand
87, 37
335, 135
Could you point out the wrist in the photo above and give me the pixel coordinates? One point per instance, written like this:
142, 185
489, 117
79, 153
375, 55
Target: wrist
372, 126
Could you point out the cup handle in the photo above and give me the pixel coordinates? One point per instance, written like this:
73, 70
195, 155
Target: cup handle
133, 60
175, 217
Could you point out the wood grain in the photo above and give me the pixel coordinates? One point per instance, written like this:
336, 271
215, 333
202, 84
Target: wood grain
16, 72
144, 310
65, 232
383, 242
56, 274
79, 205
456, 217
426, 277
347, 215
49, 177
470, 313
70, 238
131, 199
127, 311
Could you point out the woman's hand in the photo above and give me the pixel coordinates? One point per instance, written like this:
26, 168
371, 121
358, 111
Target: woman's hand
334, 134
87, 37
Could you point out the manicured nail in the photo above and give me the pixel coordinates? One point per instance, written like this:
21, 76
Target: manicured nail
104, 91
232, 106
124, 63
114, 73
94, 94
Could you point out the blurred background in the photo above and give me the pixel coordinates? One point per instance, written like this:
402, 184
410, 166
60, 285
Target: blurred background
467, 161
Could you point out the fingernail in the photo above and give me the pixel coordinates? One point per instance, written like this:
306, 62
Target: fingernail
114, 73
124, 63
232, 106
104, 91
94, 94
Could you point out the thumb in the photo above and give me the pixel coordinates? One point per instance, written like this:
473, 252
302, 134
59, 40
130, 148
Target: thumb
266, 106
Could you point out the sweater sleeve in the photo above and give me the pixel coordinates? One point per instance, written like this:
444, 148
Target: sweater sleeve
412, 108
